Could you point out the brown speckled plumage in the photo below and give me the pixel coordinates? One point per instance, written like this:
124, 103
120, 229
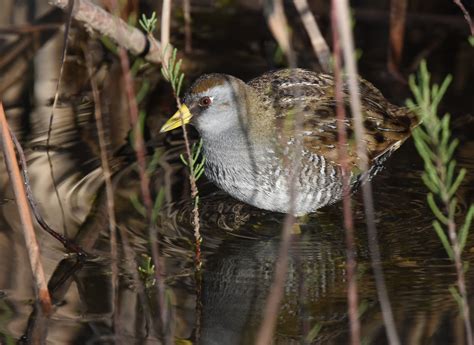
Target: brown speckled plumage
249, 129
285, 91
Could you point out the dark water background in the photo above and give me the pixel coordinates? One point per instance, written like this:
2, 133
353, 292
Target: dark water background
240, 243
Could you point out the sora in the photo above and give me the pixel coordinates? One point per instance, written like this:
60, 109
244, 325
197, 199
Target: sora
249, 129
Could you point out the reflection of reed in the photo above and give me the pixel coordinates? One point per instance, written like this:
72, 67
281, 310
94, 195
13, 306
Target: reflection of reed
238, 272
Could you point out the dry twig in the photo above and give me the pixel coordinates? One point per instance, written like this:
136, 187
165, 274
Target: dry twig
165, 28
343, 25
109, 190
188, 38
106, 24
397, 33
466, 15
320, 47
68, 244
278, 25
25, 215
351, 263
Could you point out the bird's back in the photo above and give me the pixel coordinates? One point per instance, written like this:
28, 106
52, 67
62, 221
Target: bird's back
293, 91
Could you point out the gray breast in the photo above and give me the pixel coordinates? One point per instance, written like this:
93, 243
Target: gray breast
263, 180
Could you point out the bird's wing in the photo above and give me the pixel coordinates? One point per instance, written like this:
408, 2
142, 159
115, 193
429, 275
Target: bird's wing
311, 94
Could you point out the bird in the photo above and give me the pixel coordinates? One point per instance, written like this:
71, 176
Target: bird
251, 130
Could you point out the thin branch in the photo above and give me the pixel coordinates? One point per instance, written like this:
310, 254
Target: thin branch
466, 15
171, 71
165, 28
453, 237
320, 47
343, 25
140, 153
397, 33
113, 27
51, 116
67, 243
351, 263
109, 190
188, 38
139, 146
31, 242
278, 24
194, 192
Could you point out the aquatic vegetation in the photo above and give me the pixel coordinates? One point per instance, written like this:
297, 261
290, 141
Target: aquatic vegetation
435, 145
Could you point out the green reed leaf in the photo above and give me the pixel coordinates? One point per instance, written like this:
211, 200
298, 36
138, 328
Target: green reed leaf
444, 239
457, 182
435, 209
464, 230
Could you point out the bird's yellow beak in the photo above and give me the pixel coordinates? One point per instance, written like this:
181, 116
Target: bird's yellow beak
175, 120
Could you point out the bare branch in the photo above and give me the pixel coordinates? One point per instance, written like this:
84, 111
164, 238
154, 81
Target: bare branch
466, 15
188, 38
25, 215
397, 33
351, 263
165, 27
276, 19
113, 27
320, 47
343, 26
104, 159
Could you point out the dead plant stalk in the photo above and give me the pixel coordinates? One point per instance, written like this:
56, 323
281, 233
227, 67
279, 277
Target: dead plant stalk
276, 20
320, 47
139, 147
18, 187
104, 159
341, 8
124, 35
351, 263
466, 14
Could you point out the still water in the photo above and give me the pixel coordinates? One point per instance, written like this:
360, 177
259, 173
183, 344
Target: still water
240, 246
224, 304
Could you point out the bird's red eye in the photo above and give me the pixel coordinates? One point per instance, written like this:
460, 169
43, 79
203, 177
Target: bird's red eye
205, 101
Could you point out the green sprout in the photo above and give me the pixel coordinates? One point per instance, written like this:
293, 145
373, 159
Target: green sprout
148, 24
197, 164
147, 271
171, 71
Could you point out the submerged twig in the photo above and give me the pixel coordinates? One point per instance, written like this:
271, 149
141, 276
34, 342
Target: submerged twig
31, 242
343, 25
320, 47
351, 263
